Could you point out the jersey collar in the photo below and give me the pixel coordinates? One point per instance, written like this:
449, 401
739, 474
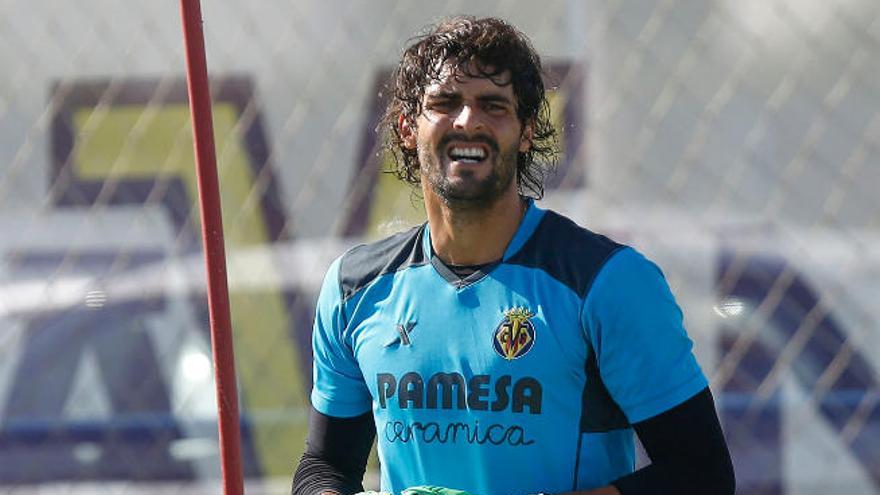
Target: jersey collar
525, 230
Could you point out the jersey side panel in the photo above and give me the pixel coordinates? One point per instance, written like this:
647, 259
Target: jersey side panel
339, 388
644, 353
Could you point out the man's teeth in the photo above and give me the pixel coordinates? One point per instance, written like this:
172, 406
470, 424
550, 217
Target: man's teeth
467, 153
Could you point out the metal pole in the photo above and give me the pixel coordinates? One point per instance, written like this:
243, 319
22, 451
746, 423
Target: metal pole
212, 238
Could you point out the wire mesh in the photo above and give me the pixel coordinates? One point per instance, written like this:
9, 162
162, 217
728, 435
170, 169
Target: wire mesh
736, 143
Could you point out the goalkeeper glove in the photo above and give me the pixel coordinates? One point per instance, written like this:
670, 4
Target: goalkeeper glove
421, 490
432, 490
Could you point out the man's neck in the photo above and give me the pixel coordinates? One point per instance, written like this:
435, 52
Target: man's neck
463, 236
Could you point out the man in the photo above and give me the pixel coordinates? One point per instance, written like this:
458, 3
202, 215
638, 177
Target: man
499, 348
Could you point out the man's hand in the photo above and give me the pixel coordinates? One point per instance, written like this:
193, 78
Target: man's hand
442, 490
432, 490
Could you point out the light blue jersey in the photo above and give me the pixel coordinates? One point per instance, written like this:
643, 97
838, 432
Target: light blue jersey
524, 377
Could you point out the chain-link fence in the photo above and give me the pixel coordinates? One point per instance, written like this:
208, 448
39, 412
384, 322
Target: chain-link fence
735, 142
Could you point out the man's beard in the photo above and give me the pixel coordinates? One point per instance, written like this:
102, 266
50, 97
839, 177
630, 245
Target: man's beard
469, 193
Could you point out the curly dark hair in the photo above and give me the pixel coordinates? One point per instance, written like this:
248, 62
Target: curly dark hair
476, 48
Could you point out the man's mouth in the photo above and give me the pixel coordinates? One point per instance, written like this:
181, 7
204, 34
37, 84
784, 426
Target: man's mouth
467, 153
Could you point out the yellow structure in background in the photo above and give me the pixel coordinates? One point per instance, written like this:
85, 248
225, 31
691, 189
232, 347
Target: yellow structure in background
124, 142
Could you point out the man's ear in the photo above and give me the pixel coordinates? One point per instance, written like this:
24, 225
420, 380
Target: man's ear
407, 132
528, 133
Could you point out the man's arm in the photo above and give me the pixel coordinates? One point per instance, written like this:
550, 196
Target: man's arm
645, 359
687, 451
341, 429
336, 455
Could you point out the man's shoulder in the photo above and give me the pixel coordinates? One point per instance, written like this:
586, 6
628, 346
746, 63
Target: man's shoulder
364, 263
567, 251
556, 228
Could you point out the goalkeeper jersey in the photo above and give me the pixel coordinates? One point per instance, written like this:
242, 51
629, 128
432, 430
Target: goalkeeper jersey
523, 377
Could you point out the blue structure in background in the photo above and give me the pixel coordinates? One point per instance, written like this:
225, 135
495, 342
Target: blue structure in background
753, 424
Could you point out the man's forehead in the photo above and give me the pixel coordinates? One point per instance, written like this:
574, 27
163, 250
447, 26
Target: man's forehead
452, 77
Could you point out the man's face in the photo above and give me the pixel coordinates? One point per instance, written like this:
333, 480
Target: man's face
467, 138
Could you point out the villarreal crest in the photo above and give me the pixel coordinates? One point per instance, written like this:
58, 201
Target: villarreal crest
515, 336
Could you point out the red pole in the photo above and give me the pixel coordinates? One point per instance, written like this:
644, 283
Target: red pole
212, 239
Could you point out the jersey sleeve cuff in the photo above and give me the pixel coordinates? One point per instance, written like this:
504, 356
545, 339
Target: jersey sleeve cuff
337, 408
667, 400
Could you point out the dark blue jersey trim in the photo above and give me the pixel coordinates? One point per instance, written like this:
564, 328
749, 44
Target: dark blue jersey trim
599, 412
363, 264
458, 282
567, 252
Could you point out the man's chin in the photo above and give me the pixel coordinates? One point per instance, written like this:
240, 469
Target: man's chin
469, 196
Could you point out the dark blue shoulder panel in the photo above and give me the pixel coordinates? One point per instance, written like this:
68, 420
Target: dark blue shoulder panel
566, 251
367, 262
574, 256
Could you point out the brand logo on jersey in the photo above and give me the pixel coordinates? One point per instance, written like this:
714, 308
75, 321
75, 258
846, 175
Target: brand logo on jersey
403, 332
515, 336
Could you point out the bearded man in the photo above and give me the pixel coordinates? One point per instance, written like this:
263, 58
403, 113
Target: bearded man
499, 348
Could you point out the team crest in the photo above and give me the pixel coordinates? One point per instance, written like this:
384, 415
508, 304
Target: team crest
515, 336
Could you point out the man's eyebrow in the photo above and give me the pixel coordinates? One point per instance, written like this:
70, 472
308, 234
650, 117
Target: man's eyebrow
443, 93
495, 98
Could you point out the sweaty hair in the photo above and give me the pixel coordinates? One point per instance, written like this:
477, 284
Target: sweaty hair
476, 48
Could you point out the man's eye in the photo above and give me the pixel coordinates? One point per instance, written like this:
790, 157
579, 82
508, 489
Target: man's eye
496, 107
441, 105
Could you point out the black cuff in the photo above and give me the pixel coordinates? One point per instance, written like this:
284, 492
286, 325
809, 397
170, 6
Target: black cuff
687, 450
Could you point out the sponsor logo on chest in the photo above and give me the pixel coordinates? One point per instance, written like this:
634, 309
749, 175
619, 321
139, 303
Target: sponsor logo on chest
452, 391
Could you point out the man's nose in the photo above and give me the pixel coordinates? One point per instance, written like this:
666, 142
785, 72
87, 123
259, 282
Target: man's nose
468, 119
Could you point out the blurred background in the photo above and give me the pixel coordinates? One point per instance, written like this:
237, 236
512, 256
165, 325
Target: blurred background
736, 142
